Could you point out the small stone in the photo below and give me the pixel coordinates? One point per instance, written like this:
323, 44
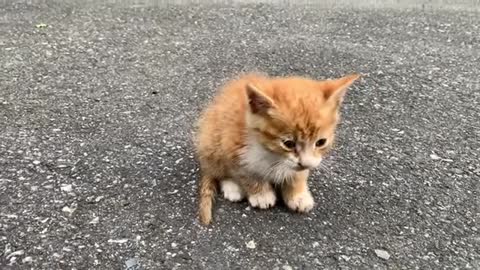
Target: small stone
383, 254
118, 241
132, 264
68, 210
457, 171
178, 160
99, 198
66, 188
15, 253
27, 259
434, 157
315, 244
251, 244
41, 25
174, 245
36, 162
287, 267
345, 258
95, 220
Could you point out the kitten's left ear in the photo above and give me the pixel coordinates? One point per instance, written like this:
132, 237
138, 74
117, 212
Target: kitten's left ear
258, 101
334, 90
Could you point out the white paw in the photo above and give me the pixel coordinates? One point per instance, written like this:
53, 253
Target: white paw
302, 202
232, 191
263, 200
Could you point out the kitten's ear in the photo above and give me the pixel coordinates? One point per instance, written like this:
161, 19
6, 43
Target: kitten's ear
259, 103
334, 90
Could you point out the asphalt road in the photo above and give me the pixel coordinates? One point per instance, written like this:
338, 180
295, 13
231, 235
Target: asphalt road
97, 103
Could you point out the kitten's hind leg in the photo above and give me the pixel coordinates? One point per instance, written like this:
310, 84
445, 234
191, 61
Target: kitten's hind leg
232, 191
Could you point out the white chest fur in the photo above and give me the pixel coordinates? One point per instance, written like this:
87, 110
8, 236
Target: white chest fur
257, 161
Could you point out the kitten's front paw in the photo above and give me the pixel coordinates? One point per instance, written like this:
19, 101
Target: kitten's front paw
263, 200
232, 191
301, 202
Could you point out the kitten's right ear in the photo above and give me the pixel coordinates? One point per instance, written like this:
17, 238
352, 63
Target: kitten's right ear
259, 103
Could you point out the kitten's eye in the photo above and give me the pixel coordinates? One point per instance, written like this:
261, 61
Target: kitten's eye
321, 142
289, 144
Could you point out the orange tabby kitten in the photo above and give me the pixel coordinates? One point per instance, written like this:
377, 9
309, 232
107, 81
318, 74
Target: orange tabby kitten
262, 132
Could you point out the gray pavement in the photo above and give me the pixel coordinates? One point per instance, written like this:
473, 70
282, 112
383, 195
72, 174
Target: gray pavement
97, 103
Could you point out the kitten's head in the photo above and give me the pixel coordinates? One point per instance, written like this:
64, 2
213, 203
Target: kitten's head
295, 118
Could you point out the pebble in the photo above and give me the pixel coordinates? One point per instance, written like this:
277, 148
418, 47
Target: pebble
132, 264
68, 210
457, 171
27, 259
251, 244
287, 267
94, 220
16, 253
383, 254
66, 188
118, 241
36, 162
434, 157
345, 258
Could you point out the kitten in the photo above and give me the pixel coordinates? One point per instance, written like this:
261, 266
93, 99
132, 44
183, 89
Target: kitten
261, 132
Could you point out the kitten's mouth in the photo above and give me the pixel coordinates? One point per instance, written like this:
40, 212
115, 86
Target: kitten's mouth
300, 168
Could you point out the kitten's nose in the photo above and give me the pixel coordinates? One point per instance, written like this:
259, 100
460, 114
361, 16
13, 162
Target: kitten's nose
307, 162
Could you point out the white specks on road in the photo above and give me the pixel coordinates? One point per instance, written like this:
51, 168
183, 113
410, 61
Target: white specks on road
66, 188
95, 220
36, 162
315, 244
287, 267
251, 244
457, 171
16, 253
27, 259
99, 198
173, 192
178, 161
174, 245
435, 157
132, 263
383, 254
11, 216
68, 210
117, 241
345, 258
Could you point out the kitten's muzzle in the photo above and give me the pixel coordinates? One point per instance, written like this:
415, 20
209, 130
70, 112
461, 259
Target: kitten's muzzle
302, 167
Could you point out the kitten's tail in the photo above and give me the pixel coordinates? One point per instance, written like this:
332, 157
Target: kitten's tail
207, 190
